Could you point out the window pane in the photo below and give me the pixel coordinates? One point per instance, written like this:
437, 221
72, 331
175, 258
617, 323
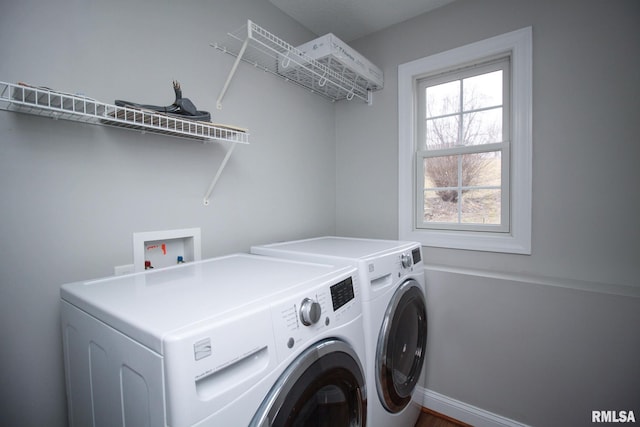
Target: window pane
442, 132
436, 209
480, 207
428, 181
446, 188
482, 91
441, 171
482, 127
443, 99
481, 169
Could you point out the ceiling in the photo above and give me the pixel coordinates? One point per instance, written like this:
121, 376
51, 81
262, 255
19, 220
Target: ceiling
352, 19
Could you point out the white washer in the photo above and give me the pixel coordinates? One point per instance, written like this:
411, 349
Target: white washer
394, 311
236, 340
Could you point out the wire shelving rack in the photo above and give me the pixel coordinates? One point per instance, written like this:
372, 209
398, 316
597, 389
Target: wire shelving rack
328, 78
45, 102
59, 105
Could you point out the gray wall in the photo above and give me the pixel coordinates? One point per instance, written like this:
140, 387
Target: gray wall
546, 338
72, 194
522, 336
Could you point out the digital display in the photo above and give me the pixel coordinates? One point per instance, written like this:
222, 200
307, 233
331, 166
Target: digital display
342, 293
417, 257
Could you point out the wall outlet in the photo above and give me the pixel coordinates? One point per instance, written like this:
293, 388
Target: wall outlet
119, 270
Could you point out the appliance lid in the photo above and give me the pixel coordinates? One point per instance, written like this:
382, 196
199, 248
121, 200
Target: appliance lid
147, 306
338, 247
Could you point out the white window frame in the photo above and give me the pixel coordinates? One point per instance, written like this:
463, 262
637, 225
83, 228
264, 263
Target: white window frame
517, 239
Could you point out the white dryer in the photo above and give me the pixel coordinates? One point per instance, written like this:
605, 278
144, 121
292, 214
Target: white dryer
241, 340
394, 312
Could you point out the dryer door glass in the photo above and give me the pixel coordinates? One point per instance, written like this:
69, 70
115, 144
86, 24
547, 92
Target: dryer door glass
323, 387
401, 346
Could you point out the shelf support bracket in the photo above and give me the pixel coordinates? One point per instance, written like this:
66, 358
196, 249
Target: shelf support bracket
215, 178
233, 71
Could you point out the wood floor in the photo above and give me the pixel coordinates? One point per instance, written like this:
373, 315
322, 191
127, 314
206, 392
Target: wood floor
429, 418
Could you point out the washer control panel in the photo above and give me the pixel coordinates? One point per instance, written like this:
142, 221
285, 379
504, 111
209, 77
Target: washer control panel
406, 260
303, 317
310, 311
342, 293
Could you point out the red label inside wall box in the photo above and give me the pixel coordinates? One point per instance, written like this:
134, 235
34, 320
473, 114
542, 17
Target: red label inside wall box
162, 246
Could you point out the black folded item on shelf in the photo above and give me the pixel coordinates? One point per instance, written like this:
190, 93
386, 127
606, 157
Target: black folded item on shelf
181, 107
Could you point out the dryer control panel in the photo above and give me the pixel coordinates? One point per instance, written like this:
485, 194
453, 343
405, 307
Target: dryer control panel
407, 262
382, 272
310, 314
410, 258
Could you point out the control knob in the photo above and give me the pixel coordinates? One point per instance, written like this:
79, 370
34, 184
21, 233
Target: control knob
406, 260
310, 312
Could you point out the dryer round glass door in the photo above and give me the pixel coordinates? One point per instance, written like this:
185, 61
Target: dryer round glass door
401, 346
324, 386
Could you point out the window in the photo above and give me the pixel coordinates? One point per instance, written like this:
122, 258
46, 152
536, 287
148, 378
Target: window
465, 146
463, 135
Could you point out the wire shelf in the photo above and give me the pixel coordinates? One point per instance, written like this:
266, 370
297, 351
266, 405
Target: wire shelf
58, 105
326, 77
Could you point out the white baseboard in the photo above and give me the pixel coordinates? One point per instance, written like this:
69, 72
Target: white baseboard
464, 412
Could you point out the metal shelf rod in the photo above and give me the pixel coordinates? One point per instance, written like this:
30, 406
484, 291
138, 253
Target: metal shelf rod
217, 176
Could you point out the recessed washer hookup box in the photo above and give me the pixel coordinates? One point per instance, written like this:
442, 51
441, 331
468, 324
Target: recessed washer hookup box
332, 52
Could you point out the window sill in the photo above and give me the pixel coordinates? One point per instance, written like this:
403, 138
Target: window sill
470, 240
